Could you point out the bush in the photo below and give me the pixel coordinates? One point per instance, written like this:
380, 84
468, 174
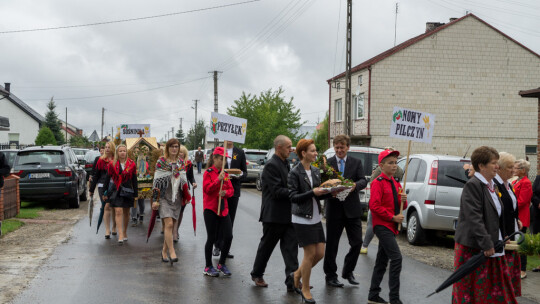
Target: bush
45, 137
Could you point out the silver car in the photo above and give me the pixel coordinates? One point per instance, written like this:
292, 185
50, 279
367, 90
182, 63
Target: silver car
434, 185
254, 160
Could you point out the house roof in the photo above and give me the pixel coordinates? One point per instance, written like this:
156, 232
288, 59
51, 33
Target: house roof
23, 106
530, 93
69, 130
135, 141
418, 38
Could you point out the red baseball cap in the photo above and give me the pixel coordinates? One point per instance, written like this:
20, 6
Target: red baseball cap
219, 151
387, 153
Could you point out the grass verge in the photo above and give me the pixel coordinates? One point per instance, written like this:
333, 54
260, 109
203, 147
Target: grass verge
533, 262
10, 225
30, 210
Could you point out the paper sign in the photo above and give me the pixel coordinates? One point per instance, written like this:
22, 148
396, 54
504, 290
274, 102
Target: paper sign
225, 127
133, 130
412, 125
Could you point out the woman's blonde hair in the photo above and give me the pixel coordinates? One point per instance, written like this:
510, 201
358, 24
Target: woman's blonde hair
116, 154
506, 159
112, 148
184, 150
523, 164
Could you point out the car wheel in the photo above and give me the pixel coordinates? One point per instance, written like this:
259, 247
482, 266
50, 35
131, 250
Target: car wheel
75, 202
415, 233
83, 196
258, 184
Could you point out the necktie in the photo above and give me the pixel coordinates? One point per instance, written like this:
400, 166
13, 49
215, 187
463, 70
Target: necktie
341, 166
396, 200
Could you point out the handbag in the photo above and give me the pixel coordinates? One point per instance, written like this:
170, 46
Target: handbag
126, 192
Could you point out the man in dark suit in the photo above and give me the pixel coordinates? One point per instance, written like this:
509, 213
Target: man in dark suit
344, 215
276, 215
237, 160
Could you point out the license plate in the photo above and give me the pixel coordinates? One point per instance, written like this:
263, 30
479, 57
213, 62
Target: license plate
39, 175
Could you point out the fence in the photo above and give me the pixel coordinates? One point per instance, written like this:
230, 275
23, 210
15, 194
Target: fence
10, 198
5, 146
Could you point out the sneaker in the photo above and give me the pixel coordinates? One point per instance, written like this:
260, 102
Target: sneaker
376, 300
134, 222
224, 270
211, 271
396, 301
363, 250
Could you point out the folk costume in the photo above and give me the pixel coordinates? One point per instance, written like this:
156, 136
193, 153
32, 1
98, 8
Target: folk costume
121, 184
170, 179
524, 192
480, 226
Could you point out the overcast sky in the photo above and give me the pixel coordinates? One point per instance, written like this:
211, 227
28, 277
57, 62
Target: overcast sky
151, 70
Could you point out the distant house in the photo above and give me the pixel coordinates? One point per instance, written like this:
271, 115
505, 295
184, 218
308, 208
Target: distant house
72, 131
24, 121
466, 72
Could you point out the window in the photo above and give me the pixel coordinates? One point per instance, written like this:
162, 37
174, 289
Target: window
421, 174
338, 86
359, 80
358, 111
414, 163
13, 137
530, 149
338, 109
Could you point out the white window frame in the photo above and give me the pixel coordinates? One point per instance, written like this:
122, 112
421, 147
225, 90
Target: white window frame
360, 80
338, 86
355, 111
338, 110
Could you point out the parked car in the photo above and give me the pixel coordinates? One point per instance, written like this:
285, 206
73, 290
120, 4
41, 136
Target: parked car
292, 159
10, 156
80, 152
254, 160
89, 158
369, 157
434, 186
51, 172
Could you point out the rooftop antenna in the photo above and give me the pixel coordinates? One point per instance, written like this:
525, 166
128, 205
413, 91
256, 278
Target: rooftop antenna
395, 25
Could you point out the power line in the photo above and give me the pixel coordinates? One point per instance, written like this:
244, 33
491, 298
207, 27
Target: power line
125, 20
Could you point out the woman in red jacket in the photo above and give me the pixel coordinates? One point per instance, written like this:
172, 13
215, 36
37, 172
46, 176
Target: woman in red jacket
212, 178
523, 191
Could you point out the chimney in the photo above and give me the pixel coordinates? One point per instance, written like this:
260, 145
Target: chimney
453, 19
7, 86
430, 26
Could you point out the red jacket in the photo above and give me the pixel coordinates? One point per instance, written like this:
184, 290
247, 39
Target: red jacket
523, 192
211, 185
381, 202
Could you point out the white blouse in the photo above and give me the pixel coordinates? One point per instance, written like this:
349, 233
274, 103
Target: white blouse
495, 198
316, 214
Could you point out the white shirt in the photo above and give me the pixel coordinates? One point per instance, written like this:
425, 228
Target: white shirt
512, 196
229, 152
495, 198
316, 215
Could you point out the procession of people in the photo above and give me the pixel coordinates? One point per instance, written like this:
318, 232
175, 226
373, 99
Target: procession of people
494, 205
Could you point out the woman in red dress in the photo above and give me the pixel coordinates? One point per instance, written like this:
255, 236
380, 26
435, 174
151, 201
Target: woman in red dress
523, 190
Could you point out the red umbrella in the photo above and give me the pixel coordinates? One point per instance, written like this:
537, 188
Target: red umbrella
155, 196
193, 213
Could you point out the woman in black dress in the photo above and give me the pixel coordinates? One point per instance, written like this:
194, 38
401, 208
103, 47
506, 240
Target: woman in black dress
121, 192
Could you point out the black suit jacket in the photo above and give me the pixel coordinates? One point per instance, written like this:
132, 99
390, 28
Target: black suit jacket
276, 205
4, 169
350, 208
510, 214
535, 212
238, 161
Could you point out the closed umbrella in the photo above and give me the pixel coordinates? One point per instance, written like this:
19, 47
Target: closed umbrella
472, 264
91, 209
193, 214
152, 223
100, 218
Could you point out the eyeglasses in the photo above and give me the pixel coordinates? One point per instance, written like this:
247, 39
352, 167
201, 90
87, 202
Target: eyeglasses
176, 147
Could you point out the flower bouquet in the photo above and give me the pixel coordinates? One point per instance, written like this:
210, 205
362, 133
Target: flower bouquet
331, 180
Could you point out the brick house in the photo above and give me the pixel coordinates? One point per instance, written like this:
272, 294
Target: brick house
466, 72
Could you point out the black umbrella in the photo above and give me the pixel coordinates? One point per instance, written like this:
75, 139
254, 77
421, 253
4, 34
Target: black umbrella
473, 263
91, 209
100, 218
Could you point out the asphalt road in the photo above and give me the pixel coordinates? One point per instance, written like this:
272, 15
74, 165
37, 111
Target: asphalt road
90, 269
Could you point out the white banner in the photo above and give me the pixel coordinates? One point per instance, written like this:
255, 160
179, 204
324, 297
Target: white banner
133, 130
412, 125
225, 127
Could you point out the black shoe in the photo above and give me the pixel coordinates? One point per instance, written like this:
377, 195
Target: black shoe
173, 260
397, 301
352, 280
107, 236
163, 259
114, 233
304, 299
376, 300
290, 284
216, 252
230, 256
334, 283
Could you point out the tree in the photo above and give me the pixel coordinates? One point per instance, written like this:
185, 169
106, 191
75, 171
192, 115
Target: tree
180, 136
320, 136
45, 137
195, 136
268, 116
80, 141
53, 123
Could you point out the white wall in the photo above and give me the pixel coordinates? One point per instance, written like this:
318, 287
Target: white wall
19, 122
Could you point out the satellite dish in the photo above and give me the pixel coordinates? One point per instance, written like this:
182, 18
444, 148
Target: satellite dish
357, 92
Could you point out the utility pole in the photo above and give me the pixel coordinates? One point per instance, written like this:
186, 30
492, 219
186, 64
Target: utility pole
216, 109
347, 120
172, 132
395, 25
195, 135
102, 121
66, 127
181, 118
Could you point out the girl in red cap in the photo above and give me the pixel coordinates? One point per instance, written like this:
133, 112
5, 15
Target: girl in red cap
211, 192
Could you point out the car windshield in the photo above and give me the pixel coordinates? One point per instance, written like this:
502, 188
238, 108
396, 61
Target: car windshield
255, 156
79, 151
40, 157
369, 161
452, 174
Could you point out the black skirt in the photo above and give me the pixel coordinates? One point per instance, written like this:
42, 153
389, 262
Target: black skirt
122, 202
309, 234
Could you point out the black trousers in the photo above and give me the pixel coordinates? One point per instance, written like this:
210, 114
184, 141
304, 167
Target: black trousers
523, 257
334, 229
215, 223
272, 234
388, 250
233, 206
